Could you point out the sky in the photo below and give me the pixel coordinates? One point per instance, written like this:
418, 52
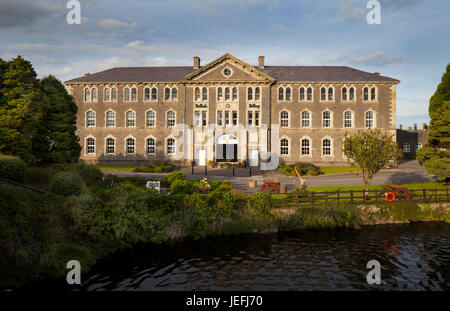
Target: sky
412, 42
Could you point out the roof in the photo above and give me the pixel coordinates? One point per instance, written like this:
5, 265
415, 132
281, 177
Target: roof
280, 73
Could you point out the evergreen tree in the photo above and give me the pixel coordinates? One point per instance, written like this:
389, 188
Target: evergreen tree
55, 141
435, 155
19, 108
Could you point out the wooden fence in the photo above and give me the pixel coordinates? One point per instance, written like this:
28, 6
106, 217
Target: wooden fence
359, 197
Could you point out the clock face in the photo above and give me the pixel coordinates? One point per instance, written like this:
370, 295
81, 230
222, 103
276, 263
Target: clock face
227, 72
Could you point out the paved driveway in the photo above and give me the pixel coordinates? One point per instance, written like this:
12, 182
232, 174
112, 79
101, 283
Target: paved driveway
408, 172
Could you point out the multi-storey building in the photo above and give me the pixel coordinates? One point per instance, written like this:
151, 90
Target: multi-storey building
299, 113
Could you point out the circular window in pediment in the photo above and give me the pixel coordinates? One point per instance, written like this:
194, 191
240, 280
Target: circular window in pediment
227, 72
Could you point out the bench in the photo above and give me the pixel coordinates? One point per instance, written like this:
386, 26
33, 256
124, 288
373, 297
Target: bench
400, 191
271, 186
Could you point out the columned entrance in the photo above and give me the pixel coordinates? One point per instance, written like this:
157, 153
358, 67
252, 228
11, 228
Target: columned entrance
226, 148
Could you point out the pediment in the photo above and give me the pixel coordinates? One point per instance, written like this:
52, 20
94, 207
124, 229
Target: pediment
228, 68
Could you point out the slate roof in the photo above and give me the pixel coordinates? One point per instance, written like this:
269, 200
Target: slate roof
280, 73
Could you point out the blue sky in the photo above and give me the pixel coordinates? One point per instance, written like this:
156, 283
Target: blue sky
412, 43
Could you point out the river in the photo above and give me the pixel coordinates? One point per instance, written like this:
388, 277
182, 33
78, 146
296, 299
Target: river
412, 257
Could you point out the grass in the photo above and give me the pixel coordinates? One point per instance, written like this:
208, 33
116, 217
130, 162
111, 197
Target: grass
336, 170
128, 168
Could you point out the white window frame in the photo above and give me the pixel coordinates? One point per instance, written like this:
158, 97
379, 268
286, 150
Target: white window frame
106, 145
352, 119
374, 118
406, 148
134, 119
288, 118
86, 146
147, 145
106, 118
126, 145
174, 118
309, 119
87, 118
322, 146
310, 146
289, 146
115, 99
331, 119
174, 146
107, 98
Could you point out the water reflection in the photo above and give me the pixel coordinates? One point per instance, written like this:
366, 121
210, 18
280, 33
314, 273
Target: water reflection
412, 257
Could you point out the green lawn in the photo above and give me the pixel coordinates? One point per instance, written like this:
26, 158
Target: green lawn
334, 170
128, 168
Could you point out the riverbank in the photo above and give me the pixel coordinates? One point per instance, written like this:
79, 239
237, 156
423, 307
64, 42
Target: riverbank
40, 233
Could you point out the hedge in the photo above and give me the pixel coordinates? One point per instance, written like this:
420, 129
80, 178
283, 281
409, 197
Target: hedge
12, 168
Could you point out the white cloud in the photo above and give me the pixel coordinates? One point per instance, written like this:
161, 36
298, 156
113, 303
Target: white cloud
378, 59
278, 27
350, 12
114, 24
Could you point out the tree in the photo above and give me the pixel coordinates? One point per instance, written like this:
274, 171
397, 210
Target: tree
19, 109
435, 155
369, 151
55, 140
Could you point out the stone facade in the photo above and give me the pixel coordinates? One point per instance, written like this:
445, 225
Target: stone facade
411, 140
227, 82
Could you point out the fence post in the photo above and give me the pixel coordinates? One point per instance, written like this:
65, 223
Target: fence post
250, 171
435, 195
338, 197
233, 170
206, 170
351, 197
364, 196
312, 198
424, 195
192, 168
326, 197
376, 195
297, 200
447, 194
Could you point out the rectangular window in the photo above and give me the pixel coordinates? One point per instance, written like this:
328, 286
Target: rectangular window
130, 146
110, 146
204, 123
90, 146
305, 147
326, 119
151, 146
235, 118
227, 118
219, 118
250, 118
256, 118
197, 118
110, 119
151, 119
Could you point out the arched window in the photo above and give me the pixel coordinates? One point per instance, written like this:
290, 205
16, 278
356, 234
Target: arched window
126, 94
305, 147
235, 96
369, 119
309, 93
110, 119
280, 93
348, 122
90, 145
326, 119
306, 119
284, 119
323, 94
94, 94
167, 94
326, 147
170, 118
197, 93
288, 93
131, 118
373, 94
110, 145
205, 94
154, 94
284, 146
366, 93
301, 93
174, 93
87, 95
330, 93
151, 146
147, 94
150, 118
250, 94
219, 94
352, 93
130, 146
133, 94
344, 93
257, 93
90, 119
227, 93
113, 94
406, 147
107, 95
170, 146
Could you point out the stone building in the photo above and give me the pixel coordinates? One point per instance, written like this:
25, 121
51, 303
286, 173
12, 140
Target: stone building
412, 139
231, 111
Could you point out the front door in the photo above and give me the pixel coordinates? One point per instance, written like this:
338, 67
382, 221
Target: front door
226, 152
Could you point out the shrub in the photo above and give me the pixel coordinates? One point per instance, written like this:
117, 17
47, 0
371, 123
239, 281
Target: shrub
170, 178
12, 168
223, 187
39, 175
312, 173
89, 173
67, 183
181, 186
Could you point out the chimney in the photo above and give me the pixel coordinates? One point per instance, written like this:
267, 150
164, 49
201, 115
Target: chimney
87, 74
376, 73
401, 127
196, 62
415, 127
261, 62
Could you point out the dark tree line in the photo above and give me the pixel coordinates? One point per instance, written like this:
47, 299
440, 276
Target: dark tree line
37, 116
